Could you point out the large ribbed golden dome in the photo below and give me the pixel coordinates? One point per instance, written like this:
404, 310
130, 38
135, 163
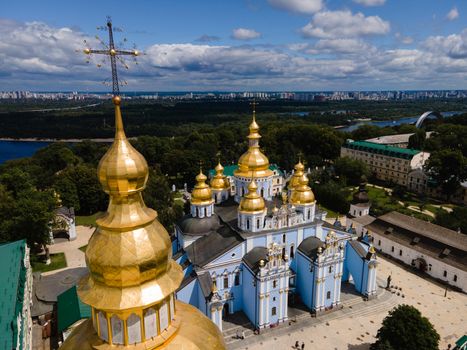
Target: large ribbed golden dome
298, 173
201, 193
219, 181
132, 272
253, 162
302, 194
252, 202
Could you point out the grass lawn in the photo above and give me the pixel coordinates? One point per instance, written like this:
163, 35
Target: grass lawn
38, 265
331, 213
88, 220
83, 248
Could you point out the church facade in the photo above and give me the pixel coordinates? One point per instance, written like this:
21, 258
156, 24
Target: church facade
250, 244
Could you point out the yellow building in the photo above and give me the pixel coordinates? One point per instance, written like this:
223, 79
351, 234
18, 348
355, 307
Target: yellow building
387, 163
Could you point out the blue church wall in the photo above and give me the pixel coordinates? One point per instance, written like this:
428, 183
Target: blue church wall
329, 287
201, 302
274, 301
175, 246
226, 258
357, 267
309, 232
189, 293
304, 279
250, 296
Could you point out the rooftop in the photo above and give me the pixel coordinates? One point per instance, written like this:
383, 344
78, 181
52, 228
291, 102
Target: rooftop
230, 169
12, 284
70, 309
377, 148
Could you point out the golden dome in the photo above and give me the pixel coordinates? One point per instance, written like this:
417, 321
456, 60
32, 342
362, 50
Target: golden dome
253, 162
252, 203
298, 173
302, 194
129, 257
201, 194
219, 181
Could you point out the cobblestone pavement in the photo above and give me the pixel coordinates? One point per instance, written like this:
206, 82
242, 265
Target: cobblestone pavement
355, 326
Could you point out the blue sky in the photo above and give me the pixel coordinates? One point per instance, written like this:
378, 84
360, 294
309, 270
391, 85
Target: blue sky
241, 45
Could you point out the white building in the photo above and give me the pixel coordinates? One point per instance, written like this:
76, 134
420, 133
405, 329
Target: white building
435, 250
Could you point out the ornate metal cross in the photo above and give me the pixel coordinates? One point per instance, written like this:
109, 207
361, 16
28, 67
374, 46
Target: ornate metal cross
113, 54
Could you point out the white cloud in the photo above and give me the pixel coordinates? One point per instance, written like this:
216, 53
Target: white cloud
298, 6
344, 24
407, 40
39, 57
245, 34
453, 14
370, 2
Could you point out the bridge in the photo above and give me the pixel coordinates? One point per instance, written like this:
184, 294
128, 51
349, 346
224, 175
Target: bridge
425, 115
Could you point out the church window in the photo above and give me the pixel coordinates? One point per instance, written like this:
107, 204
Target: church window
133, 329
400, 252
445, 273
226, 281
328, 295
237, 278
273, 311
205, 212
262, 192
283, 252
392, 249
257, 223
291, 252
455, 278
330, 269
309, 214
274, 299
379, 242
274, 284
117, 329
283, 238
247, 224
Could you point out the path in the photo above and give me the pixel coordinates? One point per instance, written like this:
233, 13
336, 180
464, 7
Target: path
74, 257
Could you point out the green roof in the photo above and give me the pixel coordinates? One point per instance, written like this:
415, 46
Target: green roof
229, 170
461, 341
13, 275
377, 148
70, 309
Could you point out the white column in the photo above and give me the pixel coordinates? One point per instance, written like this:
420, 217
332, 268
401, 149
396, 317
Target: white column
260, 310
267, 307
280, 304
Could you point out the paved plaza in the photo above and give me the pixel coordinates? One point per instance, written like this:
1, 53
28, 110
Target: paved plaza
356, 325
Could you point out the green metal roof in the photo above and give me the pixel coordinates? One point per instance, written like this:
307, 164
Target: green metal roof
229, 169
377, 148
70, 309
461, 341
13, 275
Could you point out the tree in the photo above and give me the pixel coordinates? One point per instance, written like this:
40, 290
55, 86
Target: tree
406, 329
417, 140
449, 168
332, 196
455, 220
351, 170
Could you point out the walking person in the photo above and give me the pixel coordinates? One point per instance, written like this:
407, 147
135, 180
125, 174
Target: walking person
297, 344
303, 345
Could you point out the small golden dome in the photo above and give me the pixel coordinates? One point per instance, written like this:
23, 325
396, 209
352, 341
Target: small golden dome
201, 194
302, 194
253, 162
219, 181
295, 180
252, 203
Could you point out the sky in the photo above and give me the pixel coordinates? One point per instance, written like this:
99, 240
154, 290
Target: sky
238, 45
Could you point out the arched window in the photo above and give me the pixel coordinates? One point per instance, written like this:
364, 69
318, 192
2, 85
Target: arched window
150, 325
134, 329
273, 311
237, 278
247, 224
226, 281
292, 252
283, 252
257, 223
103, 330
262, 192
309, 214
117, 329
328, 295
205, 212
283, 238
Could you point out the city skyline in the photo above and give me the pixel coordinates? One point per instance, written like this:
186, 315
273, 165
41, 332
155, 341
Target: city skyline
269, 45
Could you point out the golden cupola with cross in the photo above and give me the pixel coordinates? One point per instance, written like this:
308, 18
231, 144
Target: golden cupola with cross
132, 277
253, 162
220, 185
298, 173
